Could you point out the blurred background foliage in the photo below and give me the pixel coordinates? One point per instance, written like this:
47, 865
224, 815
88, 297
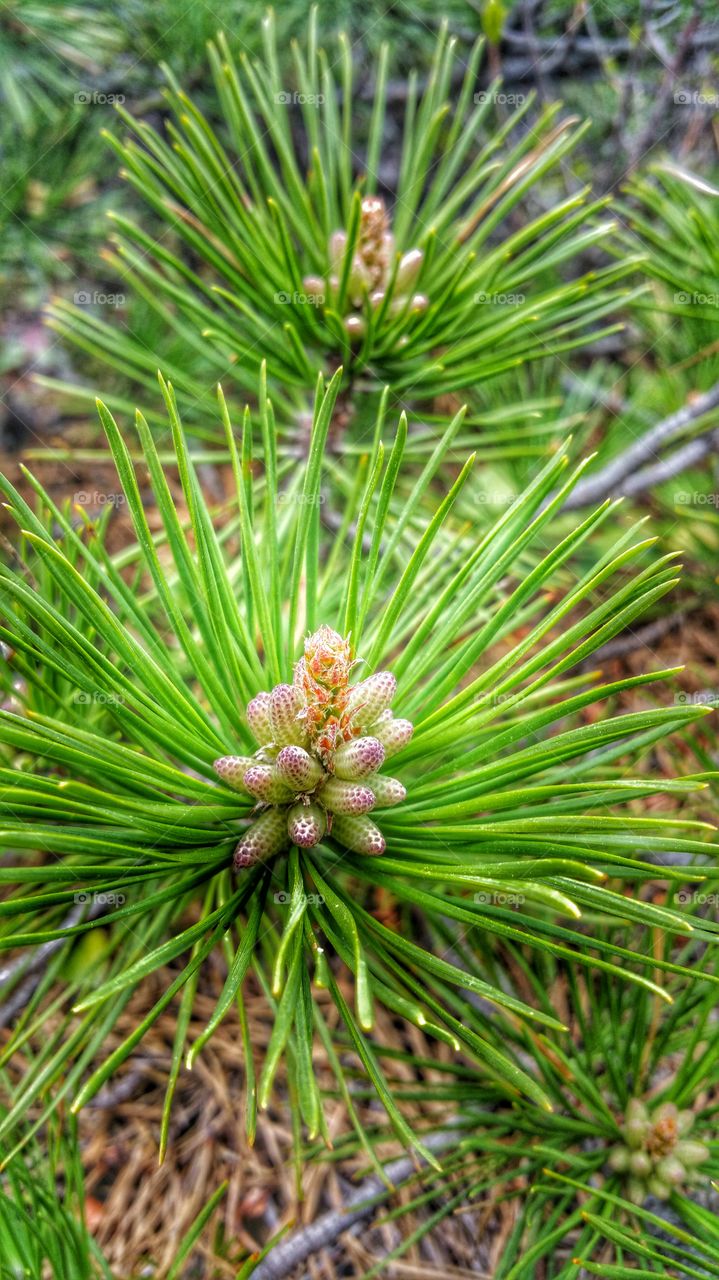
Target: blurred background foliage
639, 74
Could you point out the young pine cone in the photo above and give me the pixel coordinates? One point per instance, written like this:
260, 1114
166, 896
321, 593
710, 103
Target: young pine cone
371, 269
657, 1153
322, 743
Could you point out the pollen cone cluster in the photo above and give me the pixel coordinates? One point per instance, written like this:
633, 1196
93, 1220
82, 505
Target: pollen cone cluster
658, 1154
322, 743
371, 270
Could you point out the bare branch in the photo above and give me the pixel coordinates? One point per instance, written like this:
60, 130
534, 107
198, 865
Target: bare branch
297, 1248
688, 456
623, 475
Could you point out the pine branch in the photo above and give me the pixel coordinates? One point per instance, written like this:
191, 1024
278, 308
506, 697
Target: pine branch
168, 758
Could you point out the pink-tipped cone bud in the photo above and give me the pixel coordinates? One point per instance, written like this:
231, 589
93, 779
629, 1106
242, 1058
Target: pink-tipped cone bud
299, 769
346, 797
232, 770
285, 705
258, 718
262, 781
360, 281
368, 699
393, 734
266, 837
337, 247
306, 825
408, 269
387, 791
358, 758
385, 718
359, 834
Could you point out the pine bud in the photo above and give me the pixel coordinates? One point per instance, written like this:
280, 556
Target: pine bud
408, 269
387, 791
670, 1169
306, 825
685, 1122
360, 281
640, 1163
667, 1111
635, 1132
314, 284
262, 781
375, 243
266, 837
285, 706
659, 1188
299, 769
618, 1159
368, 699
393, 734
358, 758
346, 797
337, 248
355, 326
636, 1110
232, 770
691, 1153
258, 718
359, 834
318, 763
327, 661
636, 1191
383, 719
372, 270
636, 1129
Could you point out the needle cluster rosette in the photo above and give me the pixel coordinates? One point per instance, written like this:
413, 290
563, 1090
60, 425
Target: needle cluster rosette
322, 743
375, 275
657, 1154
